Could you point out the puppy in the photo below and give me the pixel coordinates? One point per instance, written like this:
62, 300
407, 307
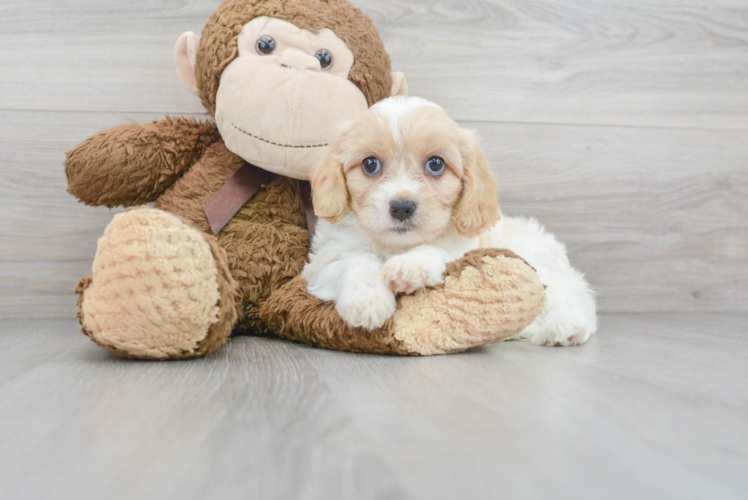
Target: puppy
402, 192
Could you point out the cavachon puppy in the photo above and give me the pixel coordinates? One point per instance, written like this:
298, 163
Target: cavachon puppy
402, 192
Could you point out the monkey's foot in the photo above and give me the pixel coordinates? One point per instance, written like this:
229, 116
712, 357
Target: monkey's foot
488, 295
160, 289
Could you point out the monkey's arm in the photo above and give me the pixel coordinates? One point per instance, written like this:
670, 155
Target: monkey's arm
134, 164
487, 295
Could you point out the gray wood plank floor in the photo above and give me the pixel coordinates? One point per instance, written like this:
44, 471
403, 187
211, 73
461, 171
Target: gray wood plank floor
655, 406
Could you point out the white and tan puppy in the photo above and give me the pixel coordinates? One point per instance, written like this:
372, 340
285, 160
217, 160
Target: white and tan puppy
402, 192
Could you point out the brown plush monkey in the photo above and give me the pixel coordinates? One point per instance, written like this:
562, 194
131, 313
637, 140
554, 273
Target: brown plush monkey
222, 251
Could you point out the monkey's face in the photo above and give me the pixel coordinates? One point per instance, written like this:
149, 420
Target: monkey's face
281, 101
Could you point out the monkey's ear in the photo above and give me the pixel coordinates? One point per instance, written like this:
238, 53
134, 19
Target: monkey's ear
399, 85
186, 54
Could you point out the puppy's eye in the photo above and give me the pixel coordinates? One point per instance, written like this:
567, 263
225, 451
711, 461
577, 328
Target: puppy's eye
371, 166
266, 45
435, 166
325, 58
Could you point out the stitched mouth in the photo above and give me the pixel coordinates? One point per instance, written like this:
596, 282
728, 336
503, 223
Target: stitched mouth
293, 146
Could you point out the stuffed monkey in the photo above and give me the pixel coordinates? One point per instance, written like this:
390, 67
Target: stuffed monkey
223, 248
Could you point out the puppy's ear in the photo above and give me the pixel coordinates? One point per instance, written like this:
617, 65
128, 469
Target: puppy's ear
329, 192
478, 209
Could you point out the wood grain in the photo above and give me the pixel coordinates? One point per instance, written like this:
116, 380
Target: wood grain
652, 227
654, 406
649, 63
655, 217
623, 128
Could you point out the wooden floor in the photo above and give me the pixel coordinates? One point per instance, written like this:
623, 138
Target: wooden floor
655, 406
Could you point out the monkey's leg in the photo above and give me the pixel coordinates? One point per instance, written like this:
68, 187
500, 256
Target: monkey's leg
488, 295
160, 289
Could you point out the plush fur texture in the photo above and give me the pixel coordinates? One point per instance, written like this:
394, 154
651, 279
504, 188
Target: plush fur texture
134, 164
252, 284
487, 296
171, 283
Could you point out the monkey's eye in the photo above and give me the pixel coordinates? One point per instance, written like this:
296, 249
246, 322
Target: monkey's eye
325, 58
371, 166
266, 45
435, 166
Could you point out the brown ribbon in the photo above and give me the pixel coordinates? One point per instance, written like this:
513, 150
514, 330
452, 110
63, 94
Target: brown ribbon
232, 196
240, 188
311, 219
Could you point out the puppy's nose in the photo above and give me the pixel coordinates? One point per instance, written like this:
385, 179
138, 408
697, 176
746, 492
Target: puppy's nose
401, 209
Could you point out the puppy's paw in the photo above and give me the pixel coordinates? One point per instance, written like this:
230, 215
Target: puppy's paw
368, 307
565, 328
407, 273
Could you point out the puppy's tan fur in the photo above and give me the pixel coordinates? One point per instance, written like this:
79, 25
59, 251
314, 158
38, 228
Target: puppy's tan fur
465, 195
395, 222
